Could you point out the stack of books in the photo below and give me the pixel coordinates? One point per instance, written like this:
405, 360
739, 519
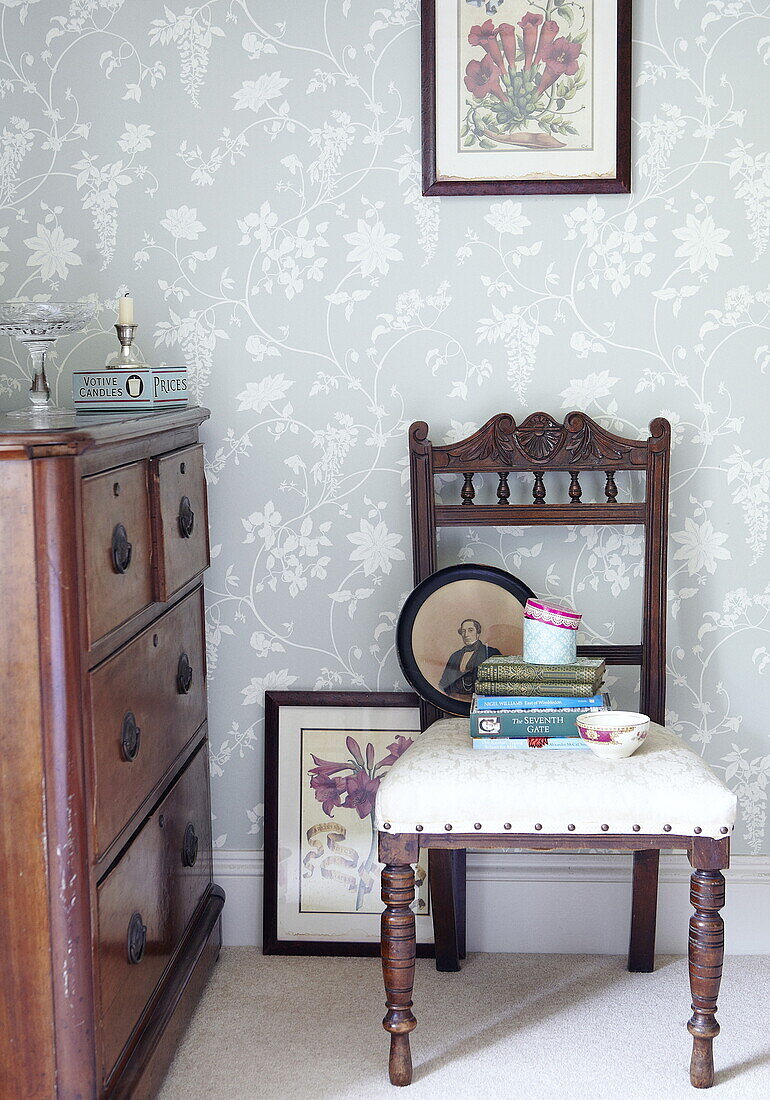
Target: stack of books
532, 706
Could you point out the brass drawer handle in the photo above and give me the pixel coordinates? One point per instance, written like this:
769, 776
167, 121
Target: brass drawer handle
136, 941
189, 846
130, 737
184, 675
121, 549
186, 518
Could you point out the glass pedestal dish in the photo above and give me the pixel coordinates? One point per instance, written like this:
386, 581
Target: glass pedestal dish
38, 325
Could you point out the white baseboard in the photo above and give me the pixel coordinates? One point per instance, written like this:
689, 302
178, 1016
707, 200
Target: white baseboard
549, 902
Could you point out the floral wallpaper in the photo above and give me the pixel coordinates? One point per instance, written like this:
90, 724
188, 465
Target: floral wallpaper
250, 172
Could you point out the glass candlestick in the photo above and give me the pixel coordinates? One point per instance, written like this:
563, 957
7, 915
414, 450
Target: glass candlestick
128, 357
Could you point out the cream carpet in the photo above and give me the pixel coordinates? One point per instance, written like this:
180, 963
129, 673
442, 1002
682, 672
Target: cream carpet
529, 1027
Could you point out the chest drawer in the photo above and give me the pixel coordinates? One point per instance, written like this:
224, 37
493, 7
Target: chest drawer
180, 519
147, 900
146, 703
117, 545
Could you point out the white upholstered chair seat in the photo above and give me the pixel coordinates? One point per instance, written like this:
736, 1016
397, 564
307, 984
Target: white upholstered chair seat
442, 781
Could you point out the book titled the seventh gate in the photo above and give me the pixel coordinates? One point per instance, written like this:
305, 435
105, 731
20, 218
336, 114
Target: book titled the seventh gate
530, 723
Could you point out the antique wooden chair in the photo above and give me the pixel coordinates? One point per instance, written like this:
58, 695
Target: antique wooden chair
443, 796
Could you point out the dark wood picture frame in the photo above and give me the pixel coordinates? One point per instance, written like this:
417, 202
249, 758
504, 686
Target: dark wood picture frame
274, 701
619, 184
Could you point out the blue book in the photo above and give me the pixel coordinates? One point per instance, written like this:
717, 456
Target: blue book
522, 744
553, 722
535, 702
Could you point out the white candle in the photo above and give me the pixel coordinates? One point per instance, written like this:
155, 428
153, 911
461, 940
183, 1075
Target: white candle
125, 310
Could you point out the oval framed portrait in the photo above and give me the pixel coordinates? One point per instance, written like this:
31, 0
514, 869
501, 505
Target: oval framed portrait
451, 622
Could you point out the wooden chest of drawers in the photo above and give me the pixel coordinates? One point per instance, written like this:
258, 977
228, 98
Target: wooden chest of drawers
109, 919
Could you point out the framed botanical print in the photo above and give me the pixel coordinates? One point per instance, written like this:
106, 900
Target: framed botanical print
526, 96
326, 754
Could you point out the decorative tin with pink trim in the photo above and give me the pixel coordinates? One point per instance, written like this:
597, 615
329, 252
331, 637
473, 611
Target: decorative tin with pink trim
550, 634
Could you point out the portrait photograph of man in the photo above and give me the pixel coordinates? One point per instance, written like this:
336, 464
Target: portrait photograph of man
459, 626
459, 678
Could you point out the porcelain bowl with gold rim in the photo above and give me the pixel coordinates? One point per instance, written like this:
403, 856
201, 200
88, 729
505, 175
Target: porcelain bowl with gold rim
613, 734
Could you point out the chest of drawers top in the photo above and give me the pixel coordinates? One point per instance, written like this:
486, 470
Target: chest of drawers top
74, 434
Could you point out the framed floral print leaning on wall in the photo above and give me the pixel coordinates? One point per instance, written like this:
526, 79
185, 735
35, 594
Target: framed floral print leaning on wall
526, 96
325, 756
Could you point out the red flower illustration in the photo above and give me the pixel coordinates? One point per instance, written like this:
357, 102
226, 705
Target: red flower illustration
560, 60
328, 791
508, 37
396, 749
547, 35
529, 24
361, 793
482, 77
486, 36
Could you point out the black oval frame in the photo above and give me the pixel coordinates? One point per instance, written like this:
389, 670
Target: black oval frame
440, 579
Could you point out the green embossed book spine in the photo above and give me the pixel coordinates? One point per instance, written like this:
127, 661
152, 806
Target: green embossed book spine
515, 670
509, 687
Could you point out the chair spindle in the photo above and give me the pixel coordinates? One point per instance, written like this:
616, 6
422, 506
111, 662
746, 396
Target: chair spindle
611, 489
538, 492
503, 489
468, 492
575, 491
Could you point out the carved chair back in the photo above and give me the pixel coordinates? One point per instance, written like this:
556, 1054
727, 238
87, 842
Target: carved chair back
538, 446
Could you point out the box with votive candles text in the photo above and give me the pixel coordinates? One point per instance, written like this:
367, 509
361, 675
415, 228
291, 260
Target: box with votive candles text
140, 388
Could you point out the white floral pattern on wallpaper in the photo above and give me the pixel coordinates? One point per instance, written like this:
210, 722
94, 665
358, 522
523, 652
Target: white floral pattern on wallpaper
251, 172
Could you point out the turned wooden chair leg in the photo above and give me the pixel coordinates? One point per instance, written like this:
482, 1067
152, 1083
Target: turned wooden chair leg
644, 909
398, 956
707, 948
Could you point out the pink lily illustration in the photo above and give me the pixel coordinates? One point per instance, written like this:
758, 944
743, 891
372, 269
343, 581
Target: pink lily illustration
358, 788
